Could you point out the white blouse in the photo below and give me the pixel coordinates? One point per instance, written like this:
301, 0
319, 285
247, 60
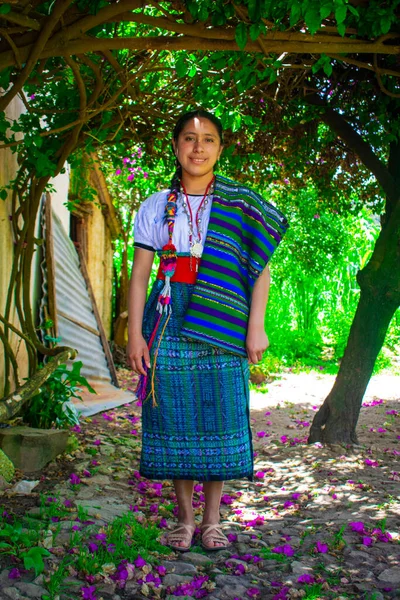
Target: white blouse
151, 230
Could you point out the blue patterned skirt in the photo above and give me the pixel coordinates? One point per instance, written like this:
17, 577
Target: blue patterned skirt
200, 428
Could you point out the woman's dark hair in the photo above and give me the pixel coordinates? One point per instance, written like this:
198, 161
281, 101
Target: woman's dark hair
180, 124
202, 114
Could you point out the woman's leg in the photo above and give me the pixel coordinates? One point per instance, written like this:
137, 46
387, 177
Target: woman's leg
184, 496
212, 495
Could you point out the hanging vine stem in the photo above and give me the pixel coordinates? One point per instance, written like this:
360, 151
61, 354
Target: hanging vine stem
9, 359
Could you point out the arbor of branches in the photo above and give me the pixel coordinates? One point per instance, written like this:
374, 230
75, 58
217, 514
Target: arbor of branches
309, 90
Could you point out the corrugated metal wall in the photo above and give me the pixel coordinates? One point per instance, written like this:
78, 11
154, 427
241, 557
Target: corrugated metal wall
77, 325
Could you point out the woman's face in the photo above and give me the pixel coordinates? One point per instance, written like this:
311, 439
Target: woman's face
198, 147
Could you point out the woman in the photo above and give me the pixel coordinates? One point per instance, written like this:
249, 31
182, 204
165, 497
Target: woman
203, 323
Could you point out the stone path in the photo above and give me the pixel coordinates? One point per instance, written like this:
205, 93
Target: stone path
315, 523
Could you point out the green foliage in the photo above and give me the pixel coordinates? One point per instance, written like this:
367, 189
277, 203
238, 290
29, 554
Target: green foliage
33, 559
267, 554
49, 408
17, 538
313, 592
6, 467
241, 35
126, 539
314, 293
55, 583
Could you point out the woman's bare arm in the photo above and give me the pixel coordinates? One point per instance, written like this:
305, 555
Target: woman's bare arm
257, 339
137, 350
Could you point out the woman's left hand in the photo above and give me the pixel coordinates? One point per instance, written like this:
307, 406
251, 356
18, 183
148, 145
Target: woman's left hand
256, 343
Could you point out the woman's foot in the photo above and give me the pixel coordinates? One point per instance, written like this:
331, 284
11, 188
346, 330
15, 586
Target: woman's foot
212, 537
180, 538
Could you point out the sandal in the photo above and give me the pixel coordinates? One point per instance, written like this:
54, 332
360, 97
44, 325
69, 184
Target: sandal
181, 533
211, 534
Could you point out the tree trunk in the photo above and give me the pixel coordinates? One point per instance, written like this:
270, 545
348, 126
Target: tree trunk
12, 404
336, 420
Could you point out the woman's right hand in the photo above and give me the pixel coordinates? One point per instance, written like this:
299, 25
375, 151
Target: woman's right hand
137, 353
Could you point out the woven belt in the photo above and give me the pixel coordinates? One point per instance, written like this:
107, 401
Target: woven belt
186, 270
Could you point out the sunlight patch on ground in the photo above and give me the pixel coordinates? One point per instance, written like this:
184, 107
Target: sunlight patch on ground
312, 388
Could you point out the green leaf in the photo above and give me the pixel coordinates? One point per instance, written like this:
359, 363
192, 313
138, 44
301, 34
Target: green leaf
273, 77
256, 9
320, 64
33, 559
38, 141
340, 13
341, 29
254, 31
203, 13
5, 77
385, 23
241, 35
3, 194
295, 13
326, 9
5, 9
328, 69
193, 8
106, 116
229, 10
181, 67
192, 71
353, 10
313, 19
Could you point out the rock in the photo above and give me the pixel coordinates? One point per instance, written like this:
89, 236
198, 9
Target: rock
361, 557
6, 466
172, 579
107, 589
12, 592
131, 587
30, 449
107, 507
298, 568
25, 486
99, 480
180, 568
391, 575
4, 484
242, 538
243, 549
232, 580
197, 559
234, 591
85, 493
30, 589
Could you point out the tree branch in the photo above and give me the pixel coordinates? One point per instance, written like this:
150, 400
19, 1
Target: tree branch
274, 42
12, 404
21, 19
35, 51
354, 141
104, 15
363, 65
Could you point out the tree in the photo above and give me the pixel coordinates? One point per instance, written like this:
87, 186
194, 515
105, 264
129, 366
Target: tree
104, 72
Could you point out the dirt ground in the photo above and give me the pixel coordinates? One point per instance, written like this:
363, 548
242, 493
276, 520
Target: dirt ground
333, 512
281, 413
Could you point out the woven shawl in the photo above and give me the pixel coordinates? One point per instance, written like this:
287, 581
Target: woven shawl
243, 232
